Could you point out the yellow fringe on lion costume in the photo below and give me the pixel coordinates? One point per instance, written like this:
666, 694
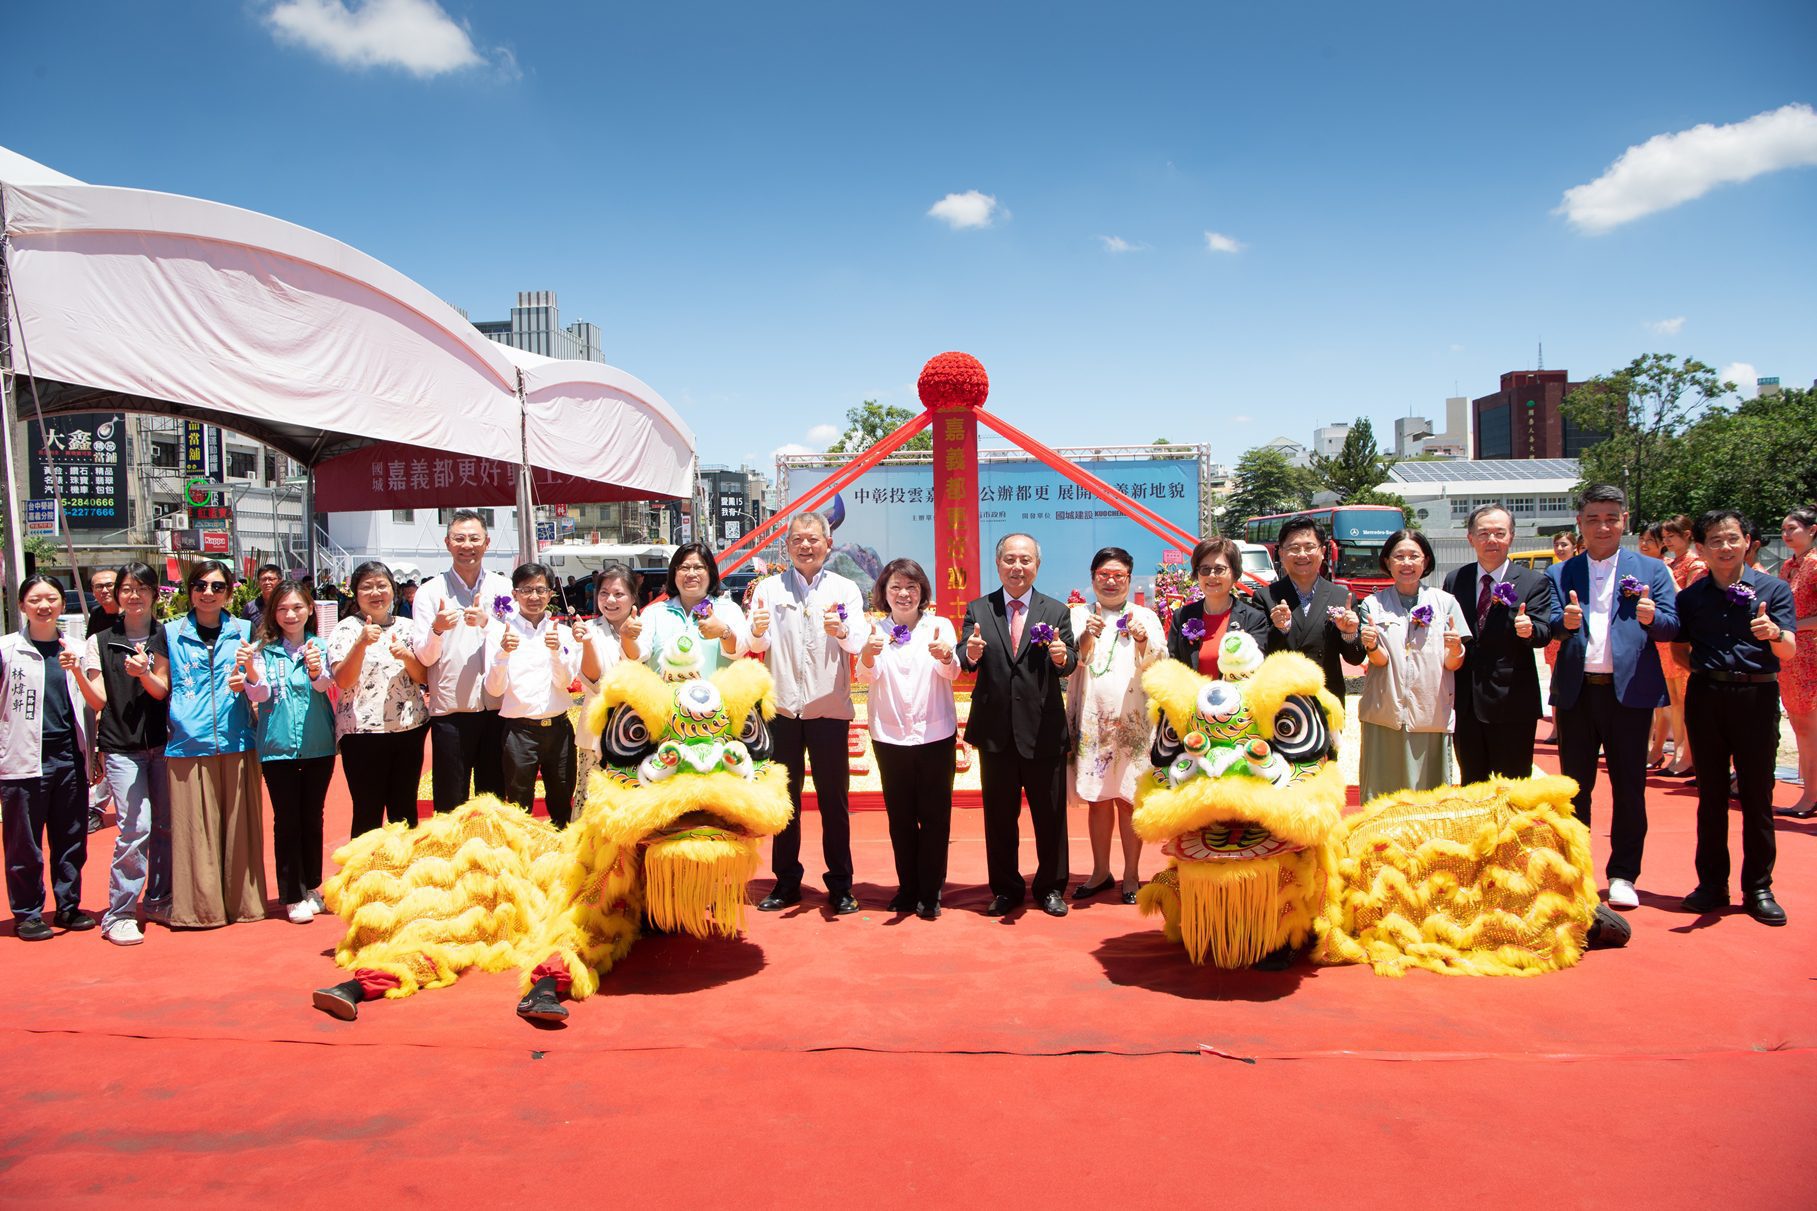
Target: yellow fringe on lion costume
669, 832
1245, 799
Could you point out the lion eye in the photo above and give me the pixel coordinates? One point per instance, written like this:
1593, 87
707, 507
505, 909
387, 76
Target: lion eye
756, 736
626, 738
1166, 745
1300, 730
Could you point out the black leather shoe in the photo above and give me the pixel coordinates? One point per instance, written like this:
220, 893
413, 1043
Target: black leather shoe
779, 899
845, 904
1129, 893
1053, 904
1705, 899
1085, 891
542, 1003
1000, 905
75, 920
342, 1001
903, 904
928, 912
34, 930
1764, 908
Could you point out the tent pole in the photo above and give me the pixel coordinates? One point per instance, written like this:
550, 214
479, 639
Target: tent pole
526, 504
308, 522
9, 414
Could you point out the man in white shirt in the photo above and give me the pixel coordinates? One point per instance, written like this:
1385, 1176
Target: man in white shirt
449, 628
1610, 608
531, 660
806, 624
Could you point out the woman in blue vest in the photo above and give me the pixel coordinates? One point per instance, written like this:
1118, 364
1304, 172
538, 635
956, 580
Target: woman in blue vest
289, 678
217, 839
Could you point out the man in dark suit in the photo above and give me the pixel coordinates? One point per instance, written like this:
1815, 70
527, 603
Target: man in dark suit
1308, 613
1498, 685
1018, 724
1610, 608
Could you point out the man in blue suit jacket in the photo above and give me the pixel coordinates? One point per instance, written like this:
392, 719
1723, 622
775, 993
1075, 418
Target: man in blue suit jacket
1610, 607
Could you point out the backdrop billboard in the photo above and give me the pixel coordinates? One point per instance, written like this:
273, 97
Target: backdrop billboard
888, 514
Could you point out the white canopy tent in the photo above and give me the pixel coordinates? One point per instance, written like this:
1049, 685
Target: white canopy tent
133, 301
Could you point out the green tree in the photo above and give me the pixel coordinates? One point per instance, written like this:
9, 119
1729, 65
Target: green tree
1375, 497
1645, 409
1357, 468
1266, 482
871, 422
1758, 458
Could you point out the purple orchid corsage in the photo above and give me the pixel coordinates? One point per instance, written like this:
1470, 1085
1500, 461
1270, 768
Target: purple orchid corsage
1631, 586
1335, 613
501, 606
900, 634
1420, 616
1123, 625
1739, 594
1041, 633
1506, 593
839, 609
703, 609
1193, 629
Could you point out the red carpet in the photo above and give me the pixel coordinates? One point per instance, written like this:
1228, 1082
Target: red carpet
885, 1061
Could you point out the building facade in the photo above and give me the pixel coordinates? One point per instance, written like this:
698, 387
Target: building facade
1525, 418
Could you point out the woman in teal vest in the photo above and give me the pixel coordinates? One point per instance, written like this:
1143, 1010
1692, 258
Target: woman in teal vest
217, 841
289, 678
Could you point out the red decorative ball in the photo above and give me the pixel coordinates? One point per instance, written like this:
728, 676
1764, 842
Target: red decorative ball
953, 380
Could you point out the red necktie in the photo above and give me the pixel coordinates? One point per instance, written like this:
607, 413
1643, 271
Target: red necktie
1482, 601
1015, 624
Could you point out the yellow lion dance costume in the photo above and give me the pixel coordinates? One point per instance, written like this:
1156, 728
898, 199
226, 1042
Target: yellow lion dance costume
669, 832
1246, 801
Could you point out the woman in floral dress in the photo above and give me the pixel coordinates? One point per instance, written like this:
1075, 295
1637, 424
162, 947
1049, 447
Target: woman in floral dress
1798, 682
1109, 715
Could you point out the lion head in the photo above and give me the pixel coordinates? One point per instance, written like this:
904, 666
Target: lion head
1243, 797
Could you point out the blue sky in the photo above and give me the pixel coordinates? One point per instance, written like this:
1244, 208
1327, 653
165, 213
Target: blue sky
747, 199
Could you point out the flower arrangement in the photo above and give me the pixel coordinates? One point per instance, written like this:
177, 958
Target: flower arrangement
1739, 594
1075, 598
1506, 594
1174, 587
1041, 633
1631, 586
901, 634
953, 380
501, 606
1193, 629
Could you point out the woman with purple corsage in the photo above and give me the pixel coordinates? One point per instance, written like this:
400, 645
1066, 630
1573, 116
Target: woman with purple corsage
909, 664
693, 631
1199, 626
1414, 636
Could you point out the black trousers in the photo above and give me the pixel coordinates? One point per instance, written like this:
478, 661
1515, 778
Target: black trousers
1740, 723
298, 789
918, 797
823, 742
1501, 748
383, 769
46, 812
1005, 779
465, 749
548, 745
1598, 723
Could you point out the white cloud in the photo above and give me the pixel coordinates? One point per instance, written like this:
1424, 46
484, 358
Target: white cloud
969, 209
1742, 374
793, 448
414, 35
1673, 168
1241, 419
1217, 241
1116, 243
1455, 347
823, 435
1670, 327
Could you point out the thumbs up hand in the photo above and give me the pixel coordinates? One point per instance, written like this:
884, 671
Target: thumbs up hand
1574, 613
974, 645
1523, 625
1762, 627
1454, 643
1094, 626
1643, 609
1281, 616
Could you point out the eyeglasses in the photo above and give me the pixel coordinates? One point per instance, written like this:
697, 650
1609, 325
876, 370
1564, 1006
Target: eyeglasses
1213, 569
1300, 549
1108, 574
210, 586
532, 592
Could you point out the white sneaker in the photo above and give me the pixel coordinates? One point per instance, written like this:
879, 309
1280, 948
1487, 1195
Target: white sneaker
300, 913
123, 933
1622, 895
316, 901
